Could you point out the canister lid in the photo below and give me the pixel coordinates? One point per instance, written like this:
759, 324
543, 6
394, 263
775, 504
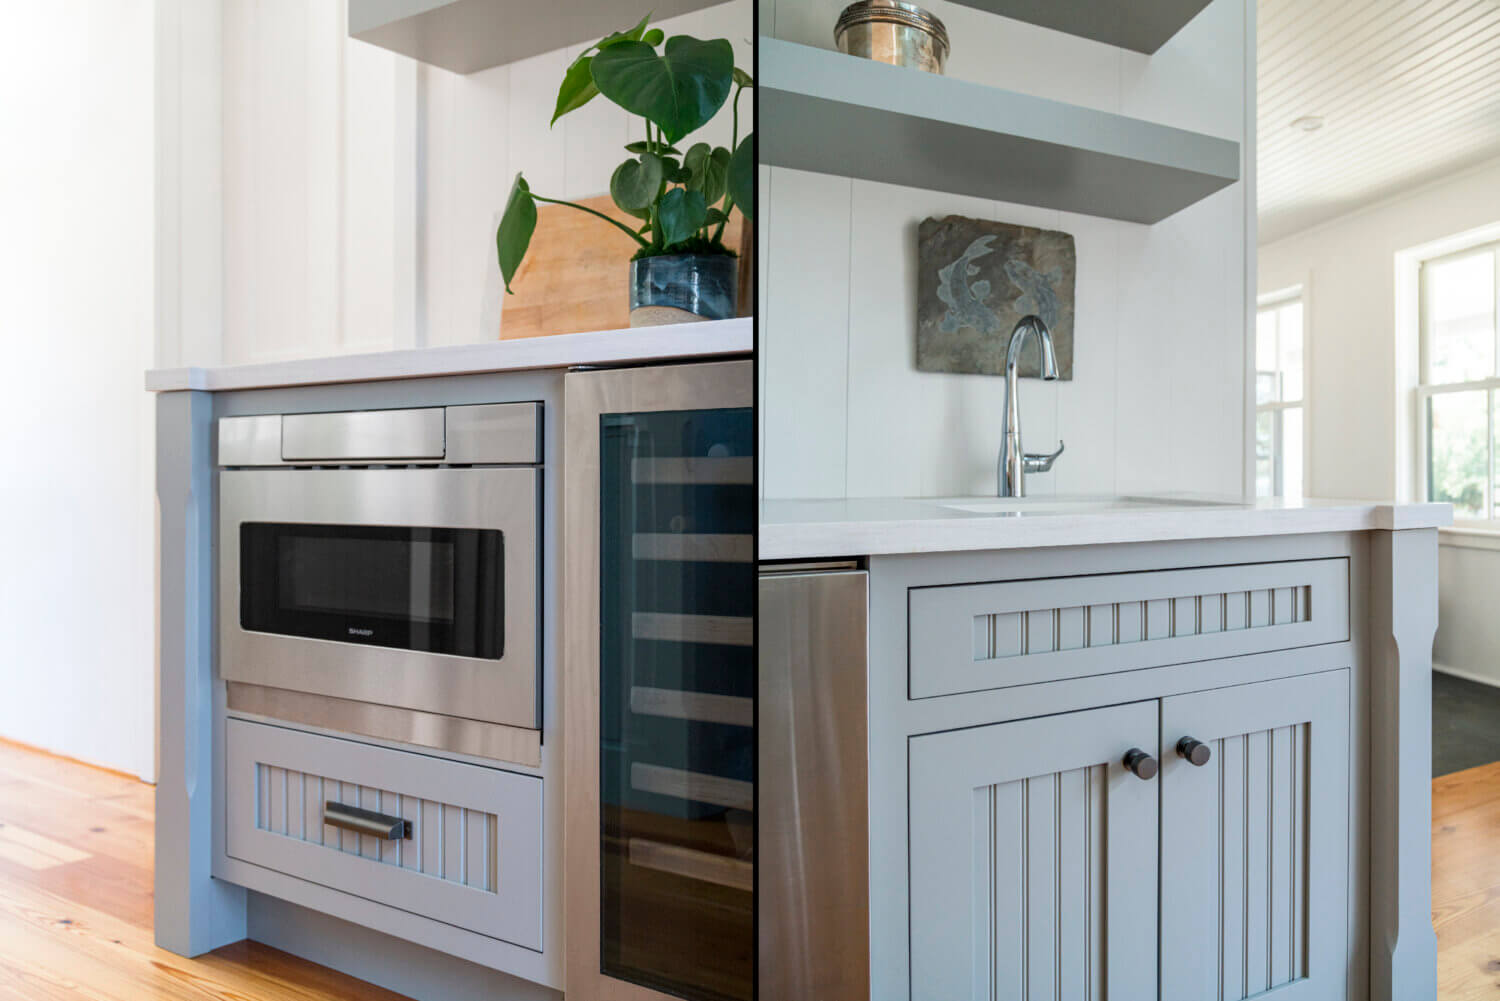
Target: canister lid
892, 12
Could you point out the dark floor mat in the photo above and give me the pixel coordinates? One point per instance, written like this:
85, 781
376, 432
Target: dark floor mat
1465, 724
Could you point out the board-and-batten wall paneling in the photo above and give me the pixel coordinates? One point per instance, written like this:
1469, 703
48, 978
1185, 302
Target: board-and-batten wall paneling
362, 189
1157, 399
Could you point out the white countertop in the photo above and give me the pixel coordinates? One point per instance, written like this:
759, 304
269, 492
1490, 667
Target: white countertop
809, 529
710, 338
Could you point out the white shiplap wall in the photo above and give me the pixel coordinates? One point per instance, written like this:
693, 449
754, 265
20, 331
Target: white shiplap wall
361, 189
1157, 399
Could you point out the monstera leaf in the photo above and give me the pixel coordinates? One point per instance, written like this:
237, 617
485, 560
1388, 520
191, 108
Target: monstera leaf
636, 183
708, 171
742, 176
516, 227
681, 213
679, 90
578, 82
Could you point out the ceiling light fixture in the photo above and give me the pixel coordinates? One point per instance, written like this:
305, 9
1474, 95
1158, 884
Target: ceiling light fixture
1308, 123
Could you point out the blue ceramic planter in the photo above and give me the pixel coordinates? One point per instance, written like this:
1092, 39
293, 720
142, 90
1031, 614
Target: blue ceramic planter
704, 285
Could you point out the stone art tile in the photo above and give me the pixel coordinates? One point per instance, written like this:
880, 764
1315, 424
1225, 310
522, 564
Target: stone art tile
977, 279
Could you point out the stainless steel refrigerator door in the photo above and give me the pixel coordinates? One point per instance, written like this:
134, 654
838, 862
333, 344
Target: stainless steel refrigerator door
812, 842
498, 691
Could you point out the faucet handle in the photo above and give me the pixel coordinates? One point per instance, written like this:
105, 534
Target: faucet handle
1042, 463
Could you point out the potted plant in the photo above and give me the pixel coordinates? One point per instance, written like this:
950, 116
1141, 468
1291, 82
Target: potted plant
681, 198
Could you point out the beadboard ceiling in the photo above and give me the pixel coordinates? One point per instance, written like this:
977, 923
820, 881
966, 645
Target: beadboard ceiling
1409, 90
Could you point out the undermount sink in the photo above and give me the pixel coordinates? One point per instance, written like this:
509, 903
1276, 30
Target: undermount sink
1064, 505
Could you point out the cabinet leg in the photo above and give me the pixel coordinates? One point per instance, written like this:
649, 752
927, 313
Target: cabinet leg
194, 912
1403, 622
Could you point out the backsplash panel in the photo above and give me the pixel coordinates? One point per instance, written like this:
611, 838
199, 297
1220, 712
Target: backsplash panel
1158, 399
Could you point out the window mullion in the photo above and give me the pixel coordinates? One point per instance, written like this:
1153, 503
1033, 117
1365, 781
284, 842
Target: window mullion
1278, 476
1424, 329
1424, 416
1495, 313
1489, 455
1279, 377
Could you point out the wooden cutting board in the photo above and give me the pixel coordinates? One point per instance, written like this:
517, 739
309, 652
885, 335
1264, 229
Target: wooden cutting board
576, 275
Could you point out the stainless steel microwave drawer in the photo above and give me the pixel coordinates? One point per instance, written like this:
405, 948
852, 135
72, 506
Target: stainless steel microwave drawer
976, 637
467, 845
475, 434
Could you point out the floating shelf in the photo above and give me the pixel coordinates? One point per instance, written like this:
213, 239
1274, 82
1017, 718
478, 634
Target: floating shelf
466, 36
824, 111
1144, 27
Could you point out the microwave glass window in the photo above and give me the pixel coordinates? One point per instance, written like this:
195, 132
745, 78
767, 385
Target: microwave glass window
437, 590
387, 577
677, 702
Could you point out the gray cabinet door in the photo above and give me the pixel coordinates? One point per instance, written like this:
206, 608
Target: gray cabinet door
1254, 843
1020, 834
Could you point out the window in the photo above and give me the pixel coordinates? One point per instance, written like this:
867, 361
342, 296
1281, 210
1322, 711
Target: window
1278, 396
1459, 381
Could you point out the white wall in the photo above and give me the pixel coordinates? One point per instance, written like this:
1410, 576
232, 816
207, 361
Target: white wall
1361, 353
1158, 397
362, 190
76, 610
1360, 372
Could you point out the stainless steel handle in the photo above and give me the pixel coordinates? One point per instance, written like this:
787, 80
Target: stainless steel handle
1141, 763
376, 825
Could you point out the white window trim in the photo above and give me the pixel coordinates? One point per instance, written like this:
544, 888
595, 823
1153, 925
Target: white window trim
1273, 300
1411, 445
1425, 391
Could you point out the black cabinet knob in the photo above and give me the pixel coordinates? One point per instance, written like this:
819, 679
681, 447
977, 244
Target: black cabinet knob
1141, 763
1196, 752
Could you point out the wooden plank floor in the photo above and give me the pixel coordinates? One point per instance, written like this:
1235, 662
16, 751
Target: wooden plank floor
1466, 882
75, 901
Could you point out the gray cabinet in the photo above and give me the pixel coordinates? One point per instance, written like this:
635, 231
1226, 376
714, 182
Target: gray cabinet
1033, 859
1254, 844
470, 854
1042, 866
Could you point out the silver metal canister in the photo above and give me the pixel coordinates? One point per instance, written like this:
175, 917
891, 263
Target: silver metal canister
888, 31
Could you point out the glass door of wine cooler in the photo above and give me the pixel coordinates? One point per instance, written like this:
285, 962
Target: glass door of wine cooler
677, 700
675, 697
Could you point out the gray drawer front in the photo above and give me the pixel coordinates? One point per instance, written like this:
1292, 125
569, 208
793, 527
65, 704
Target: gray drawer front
976, 637
474, 858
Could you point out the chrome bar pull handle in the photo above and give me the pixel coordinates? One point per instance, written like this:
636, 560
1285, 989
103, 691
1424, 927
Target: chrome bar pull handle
376, 825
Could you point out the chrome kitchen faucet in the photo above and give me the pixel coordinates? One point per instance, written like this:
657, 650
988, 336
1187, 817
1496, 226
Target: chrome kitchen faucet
1014, 462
